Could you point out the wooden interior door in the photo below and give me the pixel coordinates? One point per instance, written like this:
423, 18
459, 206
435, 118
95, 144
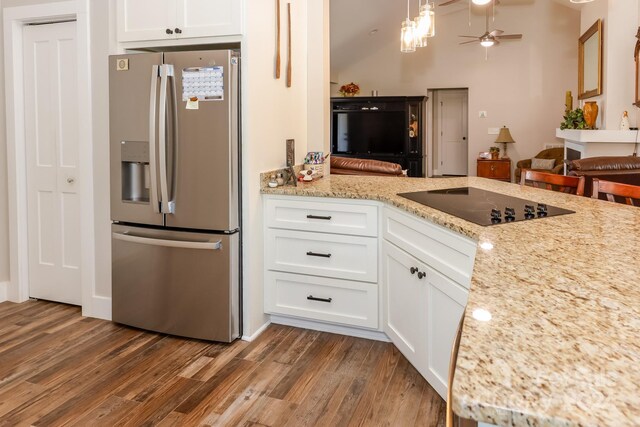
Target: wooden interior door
51, 123
453, 123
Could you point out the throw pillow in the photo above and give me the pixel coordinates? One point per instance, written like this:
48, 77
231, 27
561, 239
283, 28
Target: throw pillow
543, 164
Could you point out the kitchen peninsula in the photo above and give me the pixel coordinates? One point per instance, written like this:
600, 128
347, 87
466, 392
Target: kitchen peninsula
559, 340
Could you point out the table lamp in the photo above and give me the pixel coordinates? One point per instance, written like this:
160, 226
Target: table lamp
504, 137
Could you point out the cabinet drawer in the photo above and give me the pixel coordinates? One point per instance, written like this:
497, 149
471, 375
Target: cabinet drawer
328, 255
326, 217
319, 298
446, 251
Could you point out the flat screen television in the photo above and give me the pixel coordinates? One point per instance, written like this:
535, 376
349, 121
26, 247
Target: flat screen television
357, 132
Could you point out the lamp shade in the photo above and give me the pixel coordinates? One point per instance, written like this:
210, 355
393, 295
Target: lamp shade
504, 137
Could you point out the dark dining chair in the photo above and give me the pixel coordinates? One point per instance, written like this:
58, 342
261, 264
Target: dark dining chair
550, 181
616, 192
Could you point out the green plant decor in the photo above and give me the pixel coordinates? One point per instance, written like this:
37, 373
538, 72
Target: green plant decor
574, 120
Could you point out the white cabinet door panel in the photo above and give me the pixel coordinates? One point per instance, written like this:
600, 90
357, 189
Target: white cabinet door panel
446, 251
209, 18
328, 255
330, 300
321, 216
445, 305
405, 300
140, 20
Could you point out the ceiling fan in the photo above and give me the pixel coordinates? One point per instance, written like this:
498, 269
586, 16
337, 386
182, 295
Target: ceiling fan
490, 38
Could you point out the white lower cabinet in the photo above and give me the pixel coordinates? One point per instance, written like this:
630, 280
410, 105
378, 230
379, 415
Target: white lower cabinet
422, 309
445, 304
404, 301
321, 261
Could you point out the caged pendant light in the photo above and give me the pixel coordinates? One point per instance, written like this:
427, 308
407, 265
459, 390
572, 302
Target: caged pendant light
408, 34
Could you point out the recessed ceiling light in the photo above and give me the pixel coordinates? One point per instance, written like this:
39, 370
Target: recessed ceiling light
372, 32
580, 1
481, 2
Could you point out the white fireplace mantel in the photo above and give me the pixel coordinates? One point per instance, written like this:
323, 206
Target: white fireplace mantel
579, 144
599, 136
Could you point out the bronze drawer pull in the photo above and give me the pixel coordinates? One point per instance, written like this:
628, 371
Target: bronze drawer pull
326, 218
319, 255
312, 298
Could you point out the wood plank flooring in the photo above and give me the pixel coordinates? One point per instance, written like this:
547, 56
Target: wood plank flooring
59, 368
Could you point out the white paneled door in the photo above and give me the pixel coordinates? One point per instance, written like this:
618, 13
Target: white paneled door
51, 114
453, 132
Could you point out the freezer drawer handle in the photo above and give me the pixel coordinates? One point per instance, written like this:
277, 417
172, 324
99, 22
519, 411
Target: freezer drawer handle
319, 255
126, 237
326, 218
312, 298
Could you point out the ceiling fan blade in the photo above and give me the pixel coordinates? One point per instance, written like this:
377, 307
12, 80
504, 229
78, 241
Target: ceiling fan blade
470, 37
510, 37
447, 3
470, 41
496, 32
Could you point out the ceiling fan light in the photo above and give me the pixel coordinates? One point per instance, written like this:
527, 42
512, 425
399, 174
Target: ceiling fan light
481, 2
487, 42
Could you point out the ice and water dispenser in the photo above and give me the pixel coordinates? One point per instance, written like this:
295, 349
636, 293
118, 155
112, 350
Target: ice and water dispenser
135, 171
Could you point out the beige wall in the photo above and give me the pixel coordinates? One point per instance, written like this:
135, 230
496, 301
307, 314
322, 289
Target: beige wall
522, 84
272, 114
620, 22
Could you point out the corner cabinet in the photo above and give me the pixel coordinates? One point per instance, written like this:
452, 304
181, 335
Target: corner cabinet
426, 275
145, 20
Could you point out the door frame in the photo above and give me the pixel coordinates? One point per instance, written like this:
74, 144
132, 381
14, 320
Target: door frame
435, 121
15, 18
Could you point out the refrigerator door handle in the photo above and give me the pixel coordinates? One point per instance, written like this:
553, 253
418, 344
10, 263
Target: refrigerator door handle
165, 207
174, 142
132, 238
153, 101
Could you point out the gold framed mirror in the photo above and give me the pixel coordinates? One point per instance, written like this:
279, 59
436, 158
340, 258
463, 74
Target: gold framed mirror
637, 57
590, 62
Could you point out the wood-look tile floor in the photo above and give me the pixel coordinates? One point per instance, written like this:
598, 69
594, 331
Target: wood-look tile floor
59, 368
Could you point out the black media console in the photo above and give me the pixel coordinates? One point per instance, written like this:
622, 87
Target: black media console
388, 128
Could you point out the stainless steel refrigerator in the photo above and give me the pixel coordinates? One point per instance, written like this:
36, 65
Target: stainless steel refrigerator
175, 192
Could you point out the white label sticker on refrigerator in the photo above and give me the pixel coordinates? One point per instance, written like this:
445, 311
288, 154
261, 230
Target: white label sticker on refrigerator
203, 83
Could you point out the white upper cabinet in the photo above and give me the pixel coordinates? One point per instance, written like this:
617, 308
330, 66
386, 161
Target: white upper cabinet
208, 18
144, 20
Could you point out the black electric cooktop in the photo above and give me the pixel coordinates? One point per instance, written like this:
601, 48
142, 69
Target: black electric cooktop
484, 207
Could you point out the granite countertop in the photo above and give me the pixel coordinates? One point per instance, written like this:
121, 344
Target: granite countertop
563, 345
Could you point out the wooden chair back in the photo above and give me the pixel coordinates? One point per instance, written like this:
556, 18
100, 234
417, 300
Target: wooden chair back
630, 194
551, 181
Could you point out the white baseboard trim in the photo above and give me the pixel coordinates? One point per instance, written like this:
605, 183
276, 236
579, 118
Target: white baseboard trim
257, 333
100, 308
331, 328
4, 288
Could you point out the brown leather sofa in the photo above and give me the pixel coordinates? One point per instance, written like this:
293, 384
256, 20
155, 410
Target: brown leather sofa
624, 169
353, 166
550, 153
